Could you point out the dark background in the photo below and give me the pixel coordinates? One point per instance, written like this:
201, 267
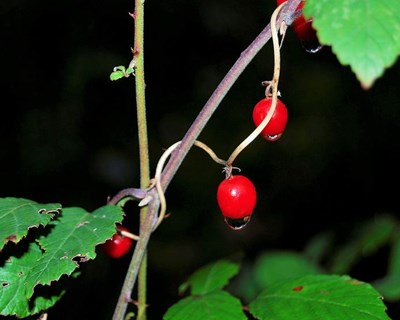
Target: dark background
69, 134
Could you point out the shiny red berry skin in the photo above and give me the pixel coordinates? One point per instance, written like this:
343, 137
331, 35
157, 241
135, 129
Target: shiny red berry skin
118, 245
304, 29
236, 197
276, 126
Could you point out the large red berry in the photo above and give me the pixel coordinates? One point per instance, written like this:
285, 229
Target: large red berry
118, 245
276, 126
236, 198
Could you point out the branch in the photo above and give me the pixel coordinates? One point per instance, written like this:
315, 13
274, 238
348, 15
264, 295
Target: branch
227, 82
189, 139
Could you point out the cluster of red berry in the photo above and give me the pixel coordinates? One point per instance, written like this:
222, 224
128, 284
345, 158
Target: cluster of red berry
236, 195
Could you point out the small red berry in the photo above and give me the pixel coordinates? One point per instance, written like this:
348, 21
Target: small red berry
236, 198
276, 126
118, 245
305, 31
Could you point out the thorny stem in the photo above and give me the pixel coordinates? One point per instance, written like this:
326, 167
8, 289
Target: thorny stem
146, 227
138, 58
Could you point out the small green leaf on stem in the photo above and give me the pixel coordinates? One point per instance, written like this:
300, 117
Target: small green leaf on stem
116, 75
120, 72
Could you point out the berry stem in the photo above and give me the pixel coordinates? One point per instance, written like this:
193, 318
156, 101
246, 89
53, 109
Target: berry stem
225, 85
272, 85
129, 235
177, 157
160, 166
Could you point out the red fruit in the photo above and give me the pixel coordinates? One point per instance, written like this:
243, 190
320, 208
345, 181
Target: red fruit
236, 198
118, 245
304, 31
275, 127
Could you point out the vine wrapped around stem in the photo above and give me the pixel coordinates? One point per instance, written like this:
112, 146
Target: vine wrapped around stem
177, 157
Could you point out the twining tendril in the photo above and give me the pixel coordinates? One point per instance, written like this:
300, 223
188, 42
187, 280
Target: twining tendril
160, 166
272, 87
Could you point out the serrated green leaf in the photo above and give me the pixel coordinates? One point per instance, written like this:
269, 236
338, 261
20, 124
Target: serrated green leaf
18, 215
117, 75
71, 239
213, 306
363, 34
275, 266
13, 295
315, 297
213, 276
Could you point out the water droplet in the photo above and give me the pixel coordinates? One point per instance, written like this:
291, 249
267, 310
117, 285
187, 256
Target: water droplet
272, 137
312, 46
308, 36
237, 224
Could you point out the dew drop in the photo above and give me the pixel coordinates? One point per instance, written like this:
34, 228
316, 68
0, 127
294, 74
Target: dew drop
273, 137
237, 224
312, 46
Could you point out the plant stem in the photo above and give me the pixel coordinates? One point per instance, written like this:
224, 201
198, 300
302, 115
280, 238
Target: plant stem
212, 104
147, 225
273, 84
126, 292
143, 146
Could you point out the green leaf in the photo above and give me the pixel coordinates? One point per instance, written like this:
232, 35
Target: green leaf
363, 34
244, 284
318, 247
71, 239
369, 237
130, 71
13, 295
275, 266
211, 277
119, 68
213, 306
117, 75
315, 297
389, 286
18, 215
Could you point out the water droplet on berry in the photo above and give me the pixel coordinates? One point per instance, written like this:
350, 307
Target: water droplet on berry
273, 137
237, 224
312, 46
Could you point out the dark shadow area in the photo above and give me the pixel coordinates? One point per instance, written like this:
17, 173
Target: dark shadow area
69, 134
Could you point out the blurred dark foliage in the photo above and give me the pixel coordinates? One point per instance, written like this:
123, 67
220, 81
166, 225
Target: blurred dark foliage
69, 133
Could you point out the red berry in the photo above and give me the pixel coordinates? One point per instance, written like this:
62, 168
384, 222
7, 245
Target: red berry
236, 198
118, 245
275, 127
304, 31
